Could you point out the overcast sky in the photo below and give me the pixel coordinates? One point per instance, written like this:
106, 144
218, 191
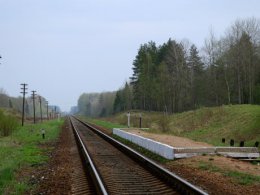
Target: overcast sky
62, 48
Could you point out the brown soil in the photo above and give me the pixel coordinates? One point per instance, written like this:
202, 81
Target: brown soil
223, 163
212, 182
54, 177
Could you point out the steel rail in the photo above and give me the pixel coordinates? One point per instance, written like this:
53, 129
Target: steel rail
181, 184
94, 173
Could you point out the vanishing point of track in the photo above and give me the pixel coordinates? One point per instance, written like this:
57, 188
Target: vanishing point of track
116, 169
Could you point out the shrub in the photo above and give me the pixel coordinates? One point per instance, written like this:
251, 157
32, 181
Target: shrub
164, 123
7, 124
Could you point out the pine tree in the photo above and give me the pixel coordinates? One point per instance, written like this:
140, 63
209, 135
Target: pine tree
196, 69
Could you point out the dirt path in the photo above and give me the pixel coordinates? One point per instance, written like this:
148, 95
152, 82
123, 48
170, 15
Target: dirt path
55, 177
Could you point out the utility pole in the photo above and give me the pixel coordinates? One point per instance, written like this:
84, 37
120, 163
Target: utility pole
23, 92
33, 97
40, 100
55, 113
47, 105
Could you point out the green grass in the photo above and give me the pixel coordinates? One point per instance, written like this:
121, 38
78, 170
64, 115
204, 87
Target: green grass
243, 178
208, 167
238, 177
240, 122
22, 149
103, 123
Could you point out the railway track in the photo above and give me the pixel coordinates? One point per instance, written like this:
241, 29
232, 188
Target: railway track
80, 177
116, 169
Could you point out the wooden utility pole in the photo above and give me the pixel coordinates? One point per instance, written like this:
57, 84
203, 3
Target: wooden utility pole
23, 92
40, 100
47, 105
33, 97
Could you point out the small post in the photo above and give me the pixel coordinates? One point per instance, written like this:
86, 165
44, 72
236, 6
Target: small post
128, 119
43, 133
140, 120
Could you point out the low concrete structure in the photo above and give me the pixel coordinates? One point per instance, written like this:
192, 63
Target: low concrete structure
170, 152
159, 148
238, 152
192, 151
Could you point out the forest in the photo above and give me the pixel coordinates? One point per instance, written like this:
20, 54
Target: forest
177, 76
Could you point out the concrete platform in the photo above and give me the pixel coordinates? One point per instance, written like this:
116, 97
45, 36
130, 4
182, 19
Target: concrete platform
238, 152
170, 152
161, 149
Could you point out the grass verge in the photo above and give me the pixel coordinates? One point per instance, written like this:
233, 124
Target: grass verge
21, 150
102, 123
243, 178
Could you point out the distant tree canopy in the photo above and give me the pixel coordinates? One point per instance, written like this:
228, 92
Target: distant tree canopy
96, 104
174, 77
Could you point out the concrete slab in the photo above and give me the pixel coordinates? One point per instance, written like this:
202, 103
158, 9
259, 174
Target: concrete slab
159, 148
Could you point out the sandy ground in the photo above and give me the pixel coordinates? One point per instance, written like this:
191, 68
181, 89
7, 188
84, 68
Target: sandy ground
171, 140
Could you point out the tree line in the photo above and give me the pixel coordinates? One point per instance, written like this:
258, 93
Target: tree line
177, 76
96, 104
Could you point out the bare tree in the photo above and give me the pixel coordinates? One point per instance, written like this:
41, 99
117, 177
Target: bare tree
243, 39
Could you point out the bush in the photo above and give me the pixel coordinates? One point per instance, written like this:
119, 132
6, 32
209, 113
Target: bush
164, 123
7, 124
